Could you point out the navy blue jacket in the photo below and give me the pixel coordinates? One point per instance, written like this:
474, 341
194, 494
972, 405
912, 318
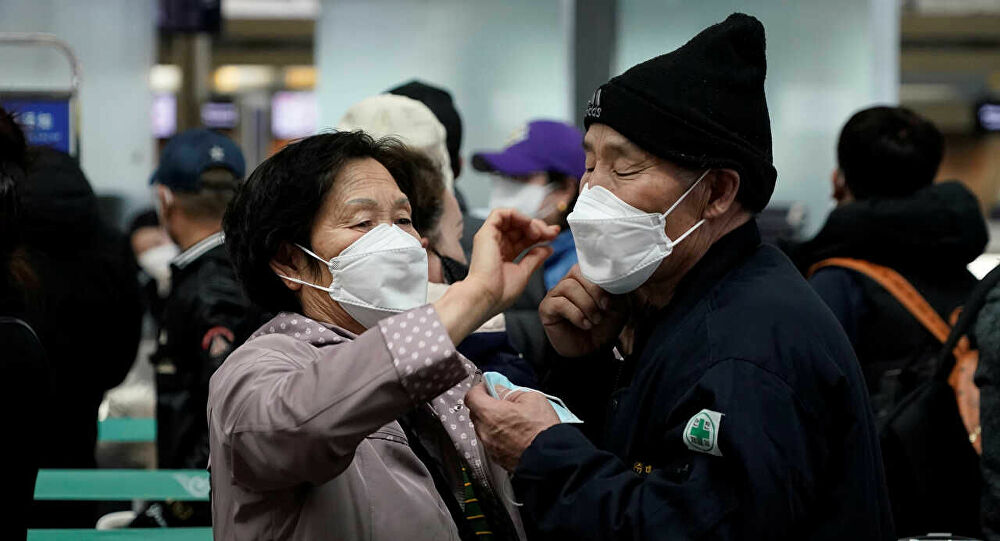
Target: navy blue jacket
746, 337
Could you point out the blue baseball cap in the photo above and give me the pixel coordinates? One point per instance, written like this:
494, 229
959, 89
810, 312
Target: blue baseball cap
545, 145
188, 154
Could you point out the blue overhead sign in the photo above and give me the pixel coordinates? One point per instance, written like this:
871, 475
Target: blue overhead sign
45, 119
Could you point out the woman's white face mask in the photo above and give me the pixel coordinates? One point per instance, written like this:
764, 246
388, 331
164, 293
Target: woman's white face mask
381, 274
620, 246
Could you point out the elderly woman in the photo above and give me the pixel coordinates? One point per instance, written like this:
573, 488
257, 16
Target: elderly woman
343, 417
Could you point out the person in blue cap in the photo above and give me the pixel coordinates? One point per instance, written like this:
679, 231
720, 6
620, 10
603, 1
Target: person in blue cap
539, 175
205, 314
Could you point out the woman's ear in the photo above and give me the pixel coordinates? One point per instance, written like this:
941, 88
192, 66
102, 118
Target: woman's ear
723, 184
291, 262
424, 242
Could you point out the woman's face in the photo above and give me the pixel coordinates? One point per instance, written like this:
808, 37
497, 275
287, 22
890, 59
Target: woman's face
363, 196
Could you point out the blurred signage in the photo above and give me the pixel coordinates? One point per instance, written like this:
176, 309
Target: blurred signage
221, 115
164, 115
190, 15
988, 116
45, 118
293, 114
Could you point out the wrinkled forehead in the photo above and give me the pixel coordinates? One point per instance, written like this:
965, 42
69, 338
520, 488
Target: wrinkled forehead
364, 182
604, 140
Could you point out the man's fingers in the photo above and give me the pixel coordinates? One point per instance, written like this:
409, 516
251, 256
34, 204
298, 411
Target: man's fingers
575, 293
560, 308
601, 297
478, 399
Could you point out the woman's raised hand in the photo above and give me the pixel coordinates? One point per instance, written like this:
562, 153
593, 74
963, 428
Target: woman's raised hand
496, 278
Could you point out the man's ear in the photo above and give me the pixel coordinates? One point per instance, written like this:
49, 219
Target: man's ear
424, 242
841, 193
164, 201
291, 262
723, 184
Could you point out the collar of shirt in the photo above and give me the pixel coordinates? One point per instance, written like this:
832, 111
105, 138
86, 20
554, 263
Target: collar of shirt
302, 328
199, 249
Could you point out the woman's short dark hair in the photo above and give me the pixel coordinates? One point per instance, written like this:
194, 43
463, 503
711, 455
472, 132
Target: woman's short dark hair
427, 199
888, 152
279, 201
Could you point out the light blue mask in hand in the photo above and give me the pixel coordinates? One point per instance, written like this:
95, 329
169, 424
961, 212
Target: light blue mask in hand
494, 379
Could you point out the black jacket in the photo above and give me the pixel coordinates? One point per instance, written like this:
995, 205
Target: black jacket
204, 317
929, 238
24, 397
987, 334
797, 451
86, 310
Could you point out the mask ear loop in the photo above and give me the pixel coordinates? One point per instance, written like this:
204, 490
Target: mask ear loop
678, 202
303, 282
672, 207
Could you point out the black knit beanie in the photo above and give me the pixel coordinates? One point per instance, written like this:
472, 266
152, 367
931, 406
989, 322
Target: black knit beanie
700, 106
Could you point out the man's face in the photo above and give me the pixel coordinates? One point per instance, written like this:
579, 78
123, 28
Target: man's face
644, 181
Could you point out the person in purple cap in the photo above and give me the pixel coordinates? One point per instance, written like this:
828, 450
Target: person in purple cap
539, 175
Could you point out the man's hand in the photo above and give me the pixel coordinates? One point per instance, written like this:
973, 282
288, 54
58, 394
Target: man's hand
579, 317
507, 427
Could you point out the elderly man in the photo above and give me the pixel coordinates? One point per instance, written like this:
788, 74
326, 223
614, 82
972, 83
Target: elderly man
737, 408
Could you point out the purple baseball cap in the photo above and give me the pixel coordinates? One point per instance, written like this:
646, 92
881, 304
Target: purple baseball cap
546, 145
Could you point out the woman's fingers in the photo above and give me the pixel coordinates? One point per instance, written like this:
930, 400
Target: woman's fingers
532, 260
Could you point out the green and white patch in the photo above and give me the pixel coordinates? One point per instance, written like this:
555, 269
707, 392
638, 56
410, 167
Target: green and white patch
701, 433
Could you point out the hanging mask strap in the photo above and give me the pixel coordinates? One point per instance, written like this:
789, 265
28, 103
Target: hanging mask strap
678, 202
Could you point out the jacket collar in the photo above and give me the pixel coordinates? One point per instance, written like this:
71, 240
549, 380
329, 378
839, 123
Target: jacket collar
725, 255
199, 249
300, 327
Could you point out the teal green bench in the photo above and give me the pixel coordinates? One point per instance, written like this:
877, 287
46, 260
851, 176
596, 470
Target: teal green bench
139, 534
122, 485
127, 429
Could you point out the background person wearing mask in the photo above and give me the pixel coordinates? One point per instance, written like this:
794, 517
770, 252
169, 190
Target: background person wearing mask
86, 310
441, 104
436, 218
890, 212
521, 323
205, 315
539, 175
738, 410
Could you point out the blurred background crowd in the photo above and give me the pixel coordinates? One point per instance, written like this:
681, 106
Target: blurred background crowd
132, 121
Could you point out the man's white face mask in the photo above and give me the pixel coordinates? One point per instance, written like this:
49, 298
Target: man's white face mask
521, 196
381, 274
620, 246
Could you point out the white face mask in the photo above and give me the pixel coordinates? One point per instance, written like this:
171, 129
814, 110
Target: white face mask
520, 196
156, 263
381, 274
620, 246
